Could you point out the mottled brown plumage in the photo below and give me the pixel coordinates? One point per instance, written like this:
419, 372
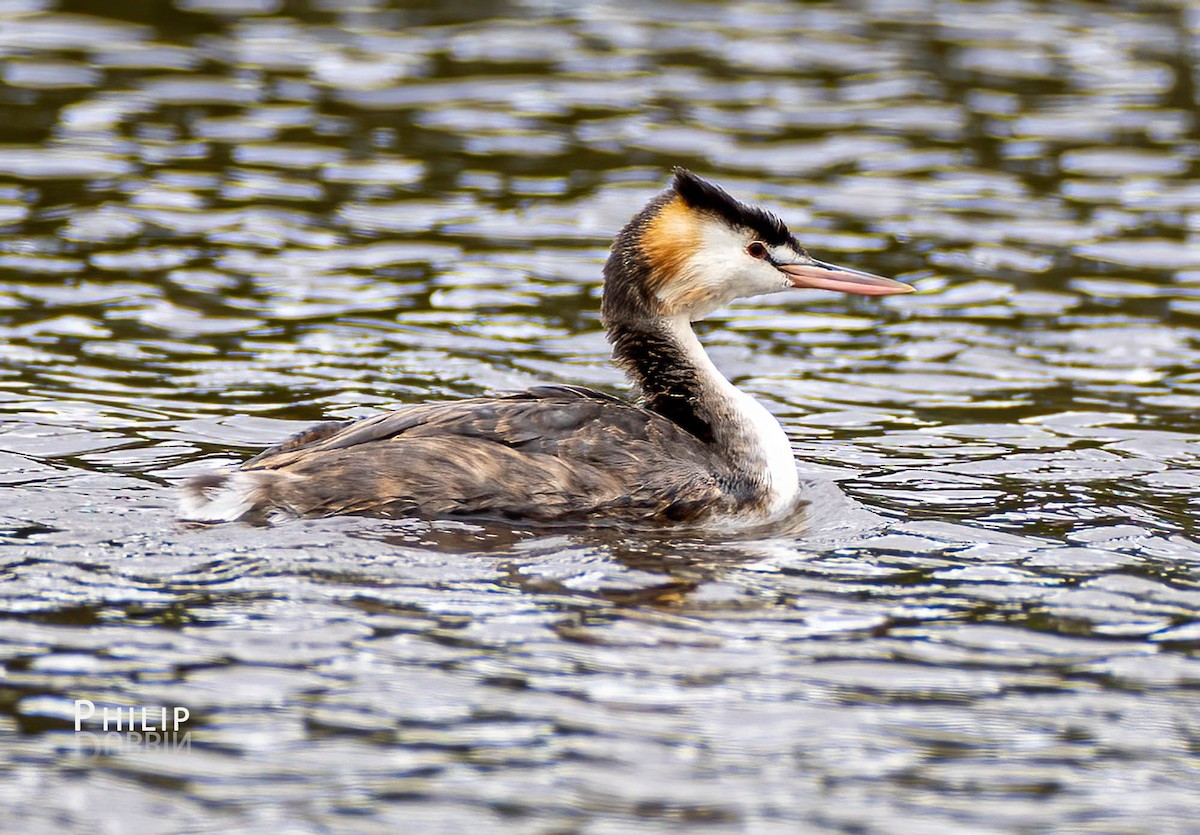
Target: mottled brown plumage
697, 451
550, 454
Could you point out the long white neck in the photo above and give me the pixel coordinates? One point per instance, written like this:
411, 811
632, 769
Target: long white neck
680, 381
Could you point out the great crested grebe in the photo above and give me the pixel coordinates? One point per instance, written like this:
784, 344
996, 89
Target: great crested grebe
697, 451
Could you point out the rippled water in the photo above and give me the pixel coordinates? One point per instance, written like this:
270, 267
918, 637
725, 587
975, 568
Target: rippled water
221, 220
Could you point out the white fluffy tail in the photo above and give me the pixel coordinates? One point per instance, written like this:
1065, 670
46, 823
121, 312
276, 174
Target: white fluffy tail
226, 496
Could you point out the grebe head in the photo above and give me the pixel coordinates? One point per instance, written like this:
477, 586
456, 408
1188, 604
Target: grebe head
694, 248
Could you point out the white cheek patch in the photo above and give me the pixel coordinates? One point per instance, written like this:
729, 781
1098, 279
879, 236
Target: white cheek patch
731, 271
721, 270
721, 259
702, 280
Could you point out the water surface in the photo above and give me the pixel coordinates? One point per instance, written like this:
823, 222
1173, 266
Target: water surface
222, 220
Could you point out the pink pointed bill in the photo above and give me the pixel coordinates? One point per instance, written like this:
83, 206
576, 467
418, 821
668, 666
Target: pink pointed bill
842, 279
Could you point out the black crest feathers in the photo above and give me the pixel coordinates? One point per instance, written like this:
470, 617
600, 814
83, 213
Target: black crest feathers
705, 196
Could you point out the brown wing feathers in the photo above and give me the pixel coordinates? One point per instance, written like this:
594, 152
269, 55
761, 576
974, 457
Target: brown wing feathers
551, 453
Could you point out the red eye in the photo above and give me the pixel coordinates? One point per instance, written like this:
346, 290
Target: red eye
757, 249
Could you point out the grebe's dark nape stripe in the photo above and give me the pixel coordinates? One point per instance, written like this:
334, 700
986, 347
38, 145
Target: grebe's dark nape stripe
627, 271
671, 384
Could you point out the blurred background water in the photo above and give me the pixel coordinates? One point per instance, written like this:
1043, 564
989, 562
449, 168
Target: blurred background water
221, 220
